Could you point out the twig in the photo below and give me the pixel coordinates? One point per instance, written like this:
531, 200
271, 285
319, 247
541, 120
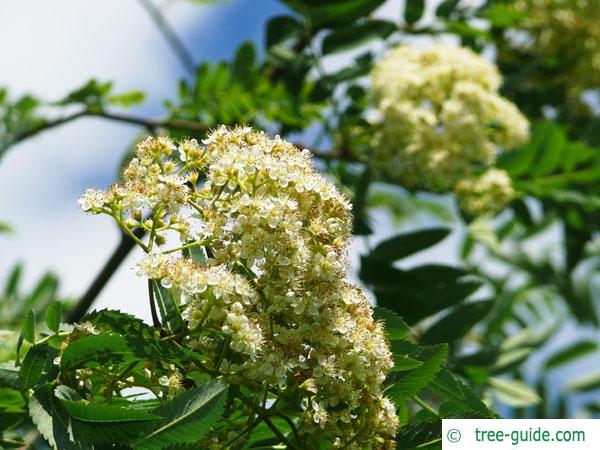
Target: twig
151, 124
185, 57
267, 421
111, 266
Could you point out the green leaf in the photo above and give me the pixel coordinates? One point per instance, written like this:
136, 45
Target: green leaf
456, 323
395, 327
280, 29
188, 417
11, 289
361, 226
407, 244
167, 307
514, 393
262, 436
33, 365
51, 419
503, 15
244, 61
53, 315
104, 423
28, 327
463, 402
100, 349
571, 353
417, 293
404, 363
43, 293
9, 375
118, 322
419, 434
93, 94
413, 10
446, 8
105, 413
127, 99
411, 384
584, 383
333, 13
347, 38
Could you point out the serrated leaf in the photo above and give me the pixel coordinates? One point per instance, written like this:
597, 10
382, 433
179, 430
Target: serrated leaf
403, 363
188, 417
53, 315
104, 423
99, 348
395, 327
462, 401
418, 434
33, 365
407, 244
105, 413
167, 307
51, 419
411, 384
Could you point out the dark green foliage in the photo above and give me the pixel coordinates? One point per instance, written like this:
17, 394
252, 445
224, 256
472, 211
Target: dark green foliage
188, 417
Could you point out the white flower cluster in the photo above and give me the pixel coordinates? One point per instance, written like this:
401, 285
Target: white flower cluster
265, 294
441, 119
488, 192
568, 31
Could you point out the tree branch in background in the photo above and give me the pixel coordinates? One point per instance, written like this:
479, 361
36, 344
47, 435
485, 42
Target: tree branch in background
104, 276
155, 124
185, 57
152, 124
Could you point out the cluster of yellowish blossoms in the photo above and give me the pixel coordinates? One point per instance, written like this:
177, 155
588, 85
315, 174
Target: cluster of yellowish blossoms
267, 277
440, 120
567, 31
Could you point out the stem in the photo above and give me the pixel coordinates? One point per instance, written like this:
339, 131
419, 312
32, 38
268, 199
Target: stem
267, 420
186, 246
425, 406
244, 431
226, 342
153, 230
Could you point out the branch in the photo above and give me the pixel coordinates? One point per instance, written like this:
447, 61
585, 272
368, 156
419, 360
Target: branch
185, 125
152, 124
102, 278
185, 57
